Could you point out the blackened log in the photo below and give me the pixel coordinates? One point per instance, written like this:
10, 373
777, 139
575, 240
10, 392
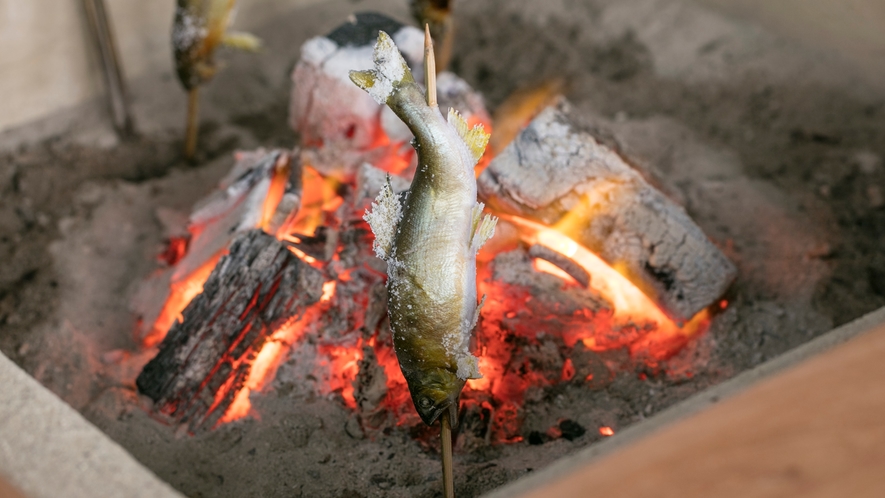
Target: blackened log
205, 358
557, 172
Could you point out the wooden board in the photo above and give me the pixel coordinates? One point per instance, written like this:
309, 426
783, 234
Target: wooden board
813, 431
7, 491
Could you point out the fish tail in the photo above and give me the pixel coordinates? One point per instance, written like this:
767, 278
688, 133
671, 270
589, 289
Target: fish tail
390, 71
241, 41
475, 138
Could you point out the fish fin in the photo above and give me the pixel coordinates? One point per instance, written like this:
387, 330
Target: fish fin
476, 313
475, 138
390, 71
241, 41
483, 227
385, 214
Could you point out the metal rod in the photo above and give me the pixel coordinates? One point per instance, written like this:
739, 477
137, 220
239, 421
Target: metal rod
445, 435
110, 63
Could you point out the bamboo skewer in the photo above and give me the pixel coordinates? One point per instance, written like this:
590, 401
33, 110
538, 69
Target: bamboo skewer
445, 435
429, 67
190, 144
445, 429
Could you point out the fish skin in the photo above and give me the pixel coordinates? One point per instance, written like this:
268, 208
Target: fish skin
430, 240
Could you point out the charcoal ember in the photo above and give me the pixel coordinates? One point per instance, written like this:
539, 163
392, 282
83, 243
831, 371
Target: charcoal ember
204, 359
370, 391
321, 245
355, 248
563, 262
540, 357
557, 172
549, 293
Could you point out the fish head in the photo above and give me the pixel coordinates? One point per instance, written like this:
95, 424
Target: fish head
435, 392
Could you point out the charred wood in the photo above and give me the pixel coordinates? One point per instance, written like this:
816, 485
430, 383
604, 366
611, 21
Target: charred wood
203, 361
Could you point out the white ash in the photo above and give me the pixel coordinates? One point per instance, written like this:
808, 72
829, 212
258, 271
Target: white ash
188, 31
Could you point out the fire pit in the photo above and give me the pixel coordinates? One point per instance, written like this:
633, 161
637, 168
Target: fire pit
307, 388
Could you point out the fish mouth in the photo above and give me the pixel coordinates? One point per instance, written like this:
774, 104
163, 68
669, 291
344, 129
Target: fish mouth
450, 409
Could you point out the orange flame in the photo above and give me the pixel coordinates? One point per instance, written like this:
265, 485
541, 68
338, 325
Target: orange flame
634, 320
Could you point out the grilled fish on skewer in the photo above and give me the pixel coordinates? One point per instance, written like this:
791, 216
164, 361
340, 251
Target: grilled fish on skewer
200, 26
430, 240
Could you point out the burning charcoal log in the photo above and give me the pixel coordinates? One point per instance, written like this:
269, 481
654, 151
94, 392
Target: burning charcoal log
555, 172
344, 127
204, 359
262, 190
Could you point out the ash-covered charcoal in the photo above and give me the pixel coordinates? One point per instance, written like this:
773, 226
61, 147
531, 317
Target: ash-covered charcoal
558, 173
262, 190
590, 368
339, 123
241, 203
204, 359
455, 93
369, 182
370, 391
342, 126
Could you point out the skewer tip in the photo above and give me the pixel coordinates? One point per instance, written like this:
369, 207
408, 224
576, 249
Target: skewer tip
429, 67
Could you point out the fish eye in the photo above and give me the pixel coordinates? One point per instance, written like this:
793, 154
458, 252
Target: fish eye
425, 403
